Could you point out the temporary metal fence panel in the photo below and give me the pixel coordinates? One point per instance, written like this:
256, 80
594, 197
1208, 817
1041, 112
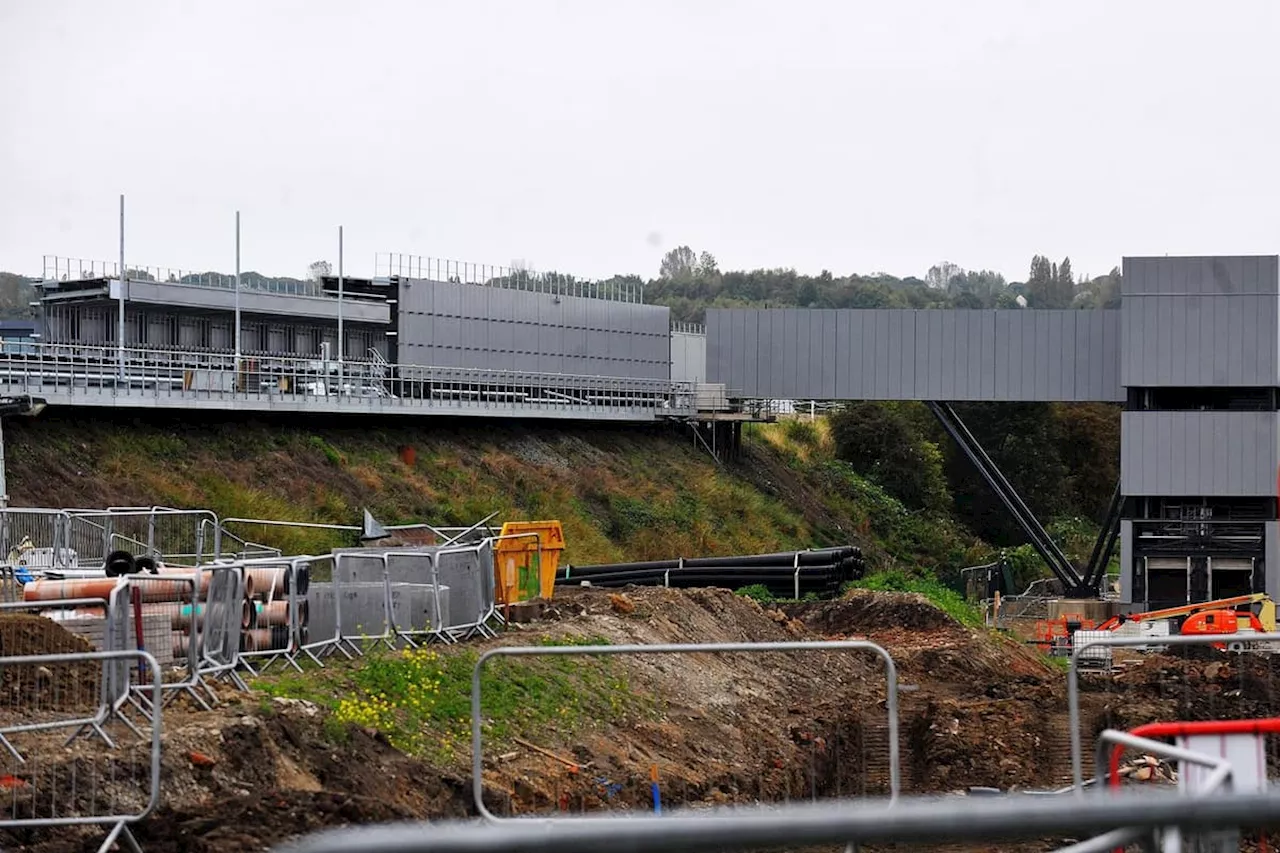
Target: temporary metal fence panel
160, 533
418, 604
83, 702
32, 539
178, 596
821, 757
227, 610
280, 615
950, 820
52, 788
362, 599
323, 636
1227, 755
230, 546
302, 537
1177, 686
468, 573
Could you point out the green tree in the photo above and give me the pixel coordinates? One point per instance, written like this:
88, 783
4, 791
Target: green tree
678, 265
884, 444
1040, 283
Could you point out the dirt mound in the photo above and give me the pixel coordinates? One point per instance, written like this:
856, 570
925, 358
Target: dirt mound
31, 688
259, 819
862, 610
25, 634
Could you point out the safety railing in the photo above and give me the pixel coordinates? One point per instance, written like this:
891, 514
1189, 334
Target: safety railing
56, 268
388, 598
158, 533
388, 264
50, 787
281, 624
641, 653
915, 820
1086, 648
79, 698
86, 374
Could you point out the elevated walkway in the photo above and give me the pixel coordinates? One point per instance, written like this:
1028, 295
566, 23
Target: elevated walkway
211, 381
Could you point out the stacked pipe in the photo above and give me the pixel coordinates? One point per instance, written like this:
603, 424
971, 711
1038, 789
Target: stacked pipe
165, 591
787, 574
187, 616
274, 595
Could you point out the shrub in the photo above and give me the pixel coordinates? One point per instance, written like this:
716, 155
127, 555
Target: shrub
880, 442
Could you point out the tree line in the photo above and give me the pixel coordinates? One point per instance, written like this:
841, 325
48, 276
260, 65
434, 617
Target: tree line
690, 282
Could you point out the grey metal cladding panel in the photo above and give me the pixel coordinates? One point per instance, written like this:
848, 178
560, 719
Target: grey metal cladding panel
907, 385
1220, 275
783, 369
181, 296
787, 346
734, 363
796, 369
717, 325
724, 335
928, 331
1217, 454
945, 355
1198, 340
829, 355
1113, 340
987, 364
746, 351
765, 356
861, 373
890, 354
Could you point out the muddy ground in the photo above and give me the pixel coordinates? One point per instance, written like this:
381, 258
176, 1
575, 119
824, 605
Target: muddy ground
977, 709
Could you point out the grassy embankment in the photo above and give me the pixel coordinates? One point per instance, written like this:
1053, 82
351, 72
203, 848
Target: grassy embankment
622, 494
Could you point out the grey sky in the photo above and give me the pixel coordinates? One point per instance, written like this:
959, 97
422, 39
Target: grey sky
591, 136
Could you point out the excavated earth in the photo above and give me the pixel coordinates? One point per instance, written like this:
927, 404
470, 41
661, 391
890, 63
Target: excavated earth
977, 709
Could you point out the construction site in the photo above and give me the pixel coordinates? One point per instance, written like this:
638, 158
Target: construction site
241, 702
176, 679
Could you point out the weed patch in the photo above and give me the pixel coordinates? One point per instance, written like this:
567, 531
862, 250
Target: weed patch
420, 699
943, 597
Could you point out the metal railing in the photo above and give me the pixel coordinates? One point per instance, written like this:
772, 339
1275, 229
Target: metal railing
89, 375
388, 264
56, 268
282, 613
58, 788
914, 820
75, 702
1080, 652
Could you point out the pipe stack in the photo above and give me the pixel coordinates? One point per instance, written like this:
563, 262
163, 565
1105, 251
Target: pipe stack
819, 572
271, 604
186, 615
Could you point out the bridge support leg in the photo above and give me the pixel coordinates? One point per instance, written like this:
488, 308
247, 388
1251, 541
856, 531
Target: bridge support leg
1074, 586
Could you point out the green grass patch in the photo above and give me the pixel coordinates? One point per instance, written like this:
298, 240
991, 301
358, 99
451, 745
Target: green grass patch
756, 591
941, 596
420, 699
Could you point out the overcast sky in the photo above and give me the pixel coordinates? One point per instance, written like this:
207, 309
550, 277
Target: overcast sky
592, 136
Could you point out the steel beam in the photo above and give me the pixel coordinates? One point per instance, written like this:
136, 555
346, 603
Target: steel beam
1040, 539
